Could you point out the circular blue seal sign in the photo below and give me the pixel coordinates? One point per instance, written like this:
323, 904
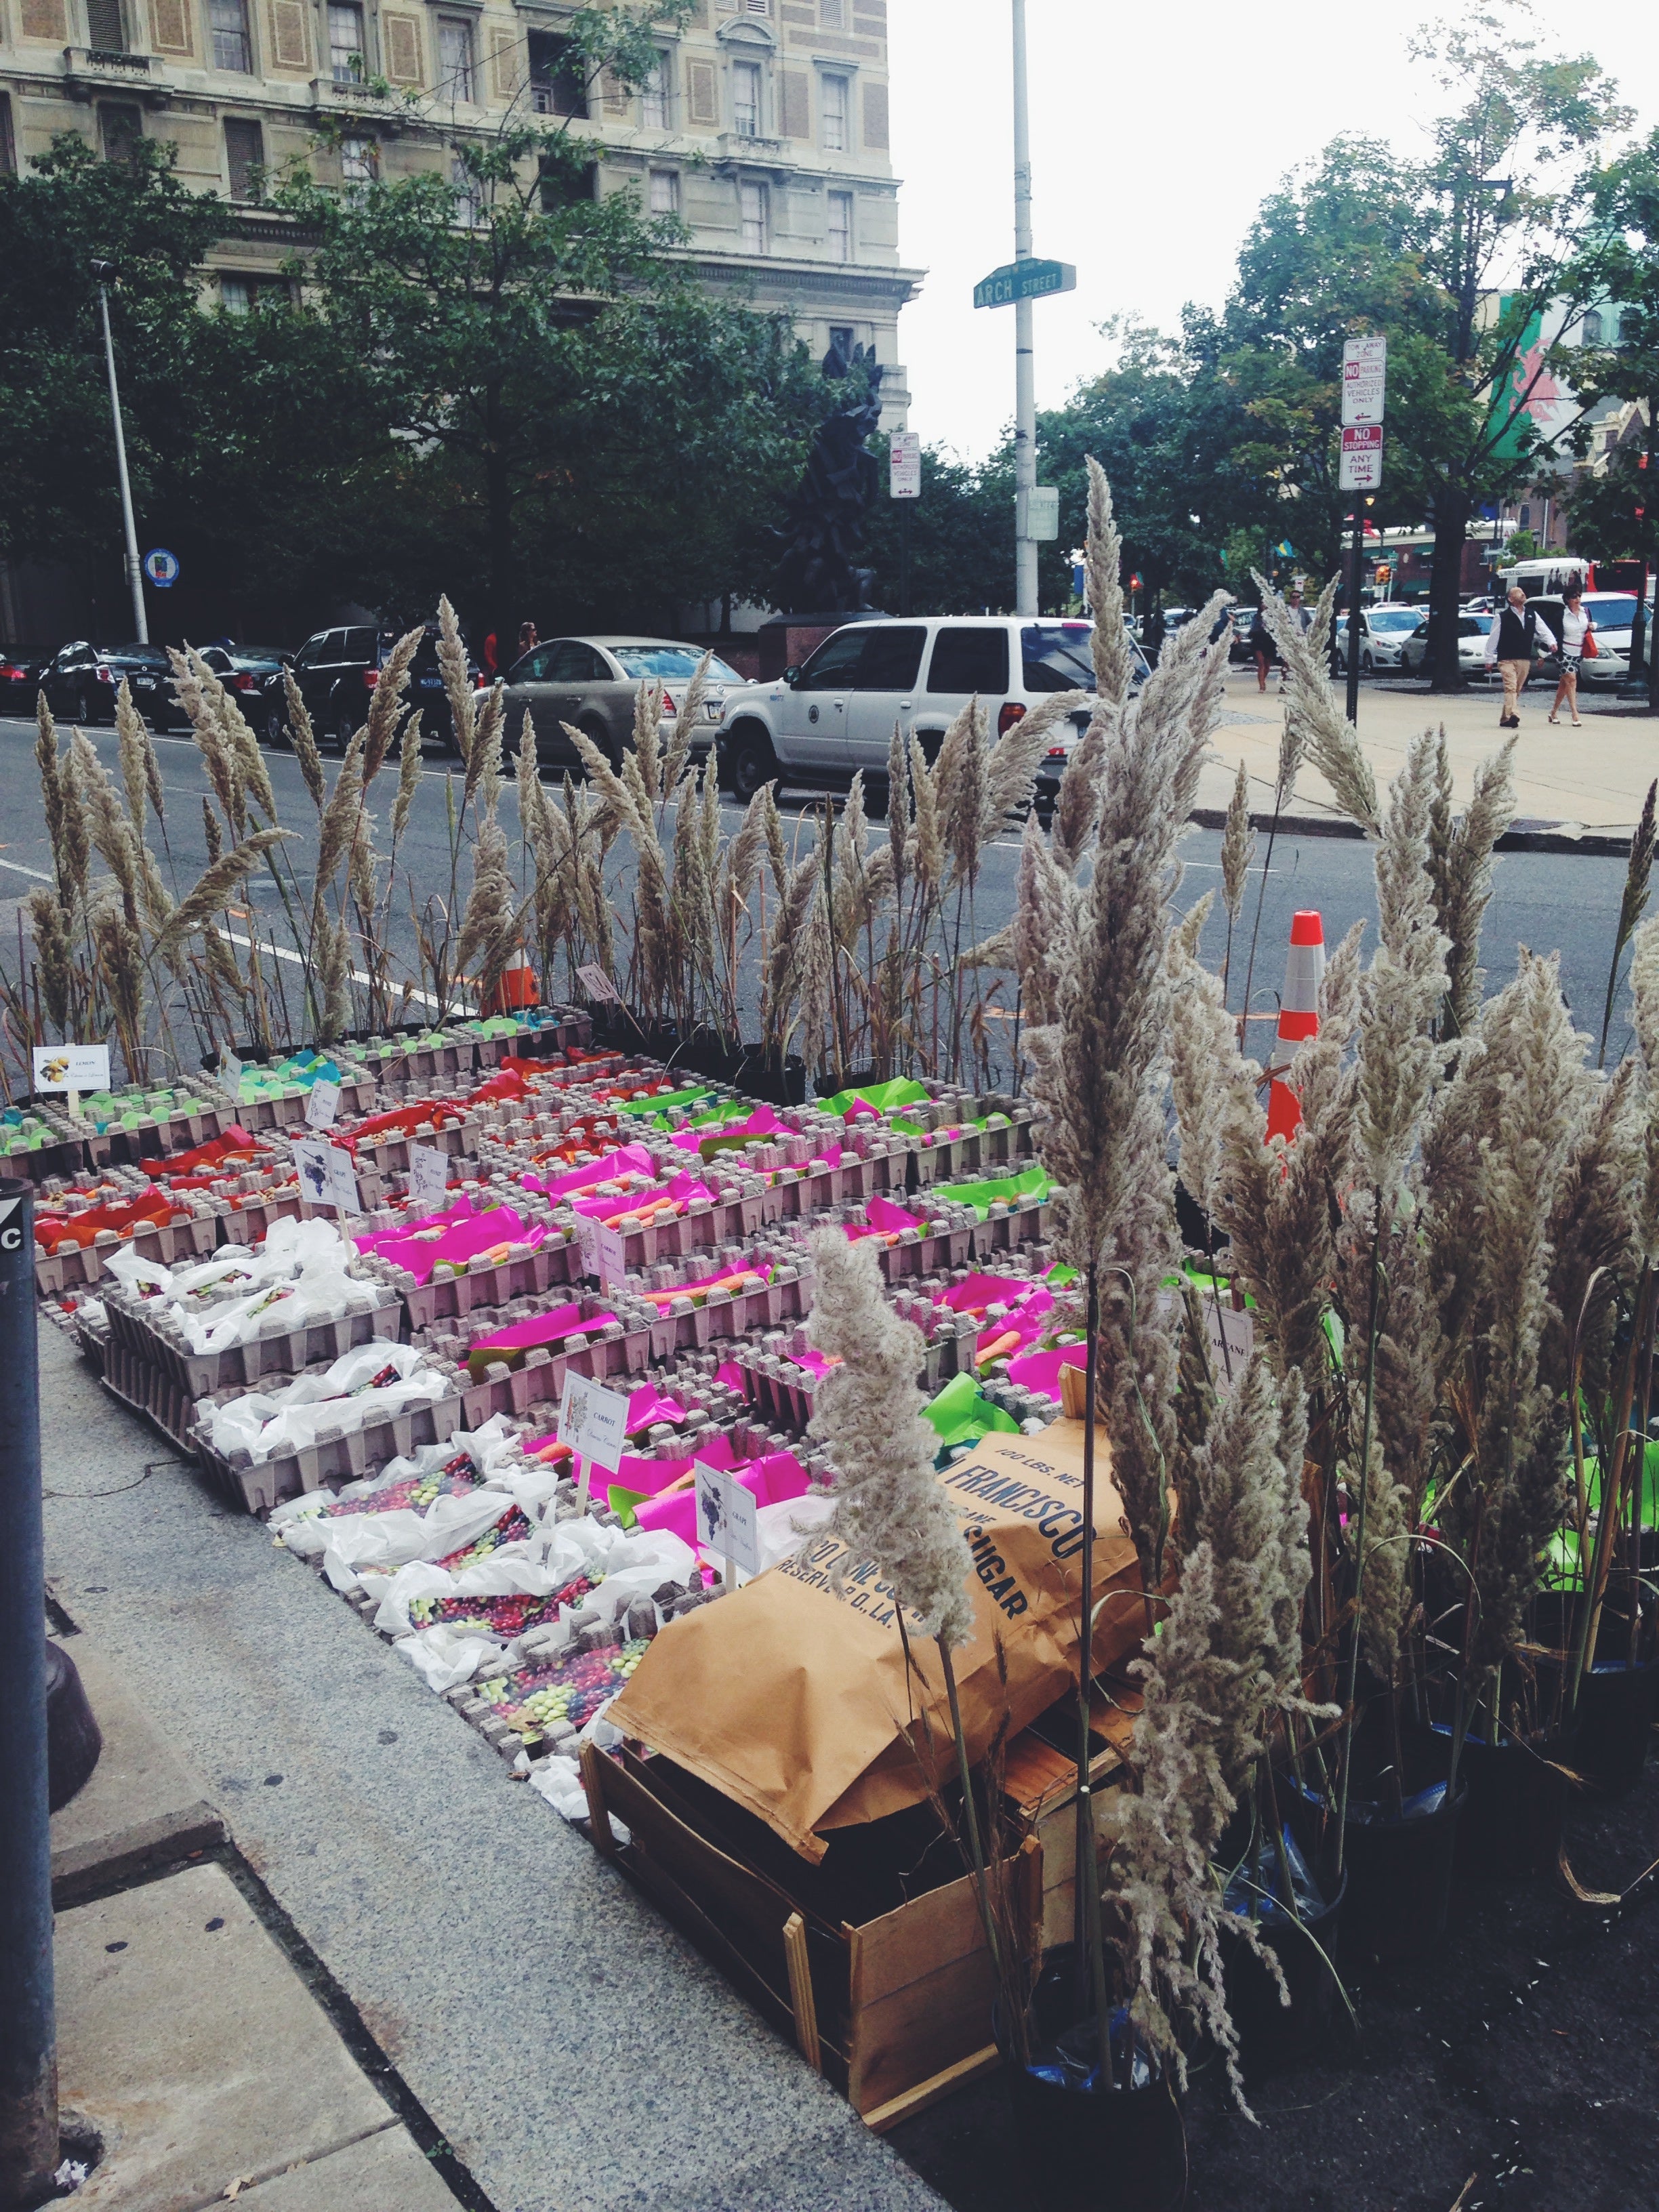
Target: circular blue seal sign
161, 568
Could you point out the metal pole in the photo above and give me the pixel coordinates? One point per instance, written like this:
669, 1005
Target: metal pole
904, 560
134, 574
1354, 610
28, 2025
1025, 552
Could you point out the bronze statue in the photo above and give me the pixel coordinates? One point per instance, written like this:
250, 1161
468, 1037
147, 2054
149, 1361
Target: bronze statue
825, 528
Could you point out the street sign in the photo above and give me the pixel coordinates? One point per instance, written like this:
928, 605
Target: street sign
904, 465
1362, 457
1043, 512
161, 568
1364, 379
1024, 280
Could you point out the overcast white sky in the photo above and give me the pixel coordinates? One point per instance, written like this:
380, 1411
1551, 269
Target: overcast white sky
1156, 133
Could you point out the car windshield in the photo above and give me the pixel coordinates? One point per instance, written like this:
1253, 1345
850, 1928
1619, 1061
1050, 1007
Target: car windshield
642, 662
153, 653
259, 652
1473, 625
1058, 656
1618, 613
1395, 618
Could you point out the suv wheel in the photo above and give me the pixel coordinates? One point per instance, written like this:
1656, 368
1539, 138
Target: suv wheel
275, 725
345, 728
752, 761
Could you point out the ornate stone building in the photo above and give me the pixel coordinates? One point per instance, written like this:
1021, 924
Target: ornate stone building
766, 127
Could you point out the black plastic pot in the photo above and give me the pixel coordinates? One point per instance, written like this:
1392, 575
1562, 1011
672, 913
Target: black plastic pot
1271, 2034
1087, 2149
1511, 1826
1618, 1702
73, 1739
760, 1075
1399, 1871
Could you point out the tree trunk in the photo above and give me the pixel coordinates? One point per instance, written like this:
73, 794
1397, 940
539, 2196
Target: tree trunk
1451, 528
504, 613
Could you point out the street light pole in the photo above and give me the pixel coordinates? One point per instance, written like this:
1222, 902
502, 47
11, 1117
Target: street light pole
134, 574
1025, 561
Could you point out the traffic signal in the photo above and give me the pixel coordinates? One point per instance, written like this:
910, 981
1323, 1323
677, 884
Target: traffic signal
1384, 573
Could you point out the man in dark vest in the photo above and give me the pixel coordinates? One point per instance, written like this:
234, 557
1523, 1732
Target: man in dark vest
1512, 642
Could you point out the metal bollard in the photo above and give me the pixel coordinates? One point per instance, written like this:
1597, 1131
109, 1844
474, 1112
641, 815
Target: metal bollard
28, 2033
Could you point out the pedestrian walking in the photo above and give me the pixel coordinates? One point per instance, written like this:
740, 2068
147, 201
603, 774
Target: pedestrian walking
1303, 620
1261, 647
527, 638
490, 669
1512, 642
1578, 641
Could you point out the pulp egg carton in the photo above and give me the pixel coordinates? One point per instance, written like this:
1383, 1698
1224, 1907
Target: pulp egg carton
150, 1392
151, 1130
280, 1347
528, 1270
345, 1454
281, 1108
1005, 1140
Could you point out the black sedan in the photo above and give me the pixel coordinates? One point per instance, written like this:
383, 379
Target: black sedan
245, 670
337, 672
20, 679
81, 682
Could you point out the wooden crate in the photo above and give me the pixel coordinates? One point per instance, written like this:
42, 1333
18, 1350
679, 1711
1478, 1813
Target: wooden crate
1041, 1783
896, 2013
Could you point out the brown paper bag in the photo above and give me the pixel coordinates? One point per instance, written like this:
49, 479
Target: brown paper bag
795, 1700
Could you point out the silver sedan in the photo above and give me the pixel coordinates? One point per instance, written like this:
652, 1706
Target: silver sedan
592, 683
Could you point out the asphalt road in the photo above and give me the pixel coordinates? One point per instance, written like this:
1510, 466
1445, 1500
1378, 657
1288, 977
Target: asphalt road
1561, 902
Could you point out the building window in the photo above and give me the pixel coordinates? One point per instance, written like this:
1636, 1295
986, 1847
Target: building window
345, 42
360, 163
228, 20
746, 99
468, 193
841, 226
7, 143
834, 115
759, 7
1525, 522
557, 84
843, 339
120, 128
756, 225
653, 96
245, 155
664, 192
834, 13
104, 26
1593, 328
565, 184
455, 74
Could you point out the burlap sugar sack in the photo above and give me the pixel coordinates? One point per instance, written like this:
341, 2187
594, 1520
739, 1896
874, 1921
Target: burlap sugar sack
794, 1698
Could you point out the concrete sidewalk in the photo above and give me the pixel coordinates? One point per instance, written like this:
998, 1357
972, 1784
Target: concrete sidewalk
576, 2053
1577, 787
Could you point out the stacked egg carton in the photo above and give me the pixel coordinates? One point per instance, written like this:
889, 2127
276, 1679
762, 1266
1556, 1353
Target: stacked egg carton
338, 1455
139, 1124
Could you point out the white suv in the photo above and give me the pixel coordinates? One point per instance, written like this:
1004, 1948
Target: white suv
822, 723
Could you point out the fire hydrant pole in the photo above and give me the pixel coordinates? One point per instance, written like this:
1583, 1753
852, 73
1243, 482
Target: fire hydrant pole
29, 2028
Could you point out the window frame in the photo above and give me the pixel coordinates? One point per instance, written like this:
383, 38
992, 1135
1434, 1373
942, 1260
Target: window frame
952, 636
129, 109
465, 77
835, 201
843, 84
657, 94
369, 160
670, 178
342, 72
748, 73
839, 680
761, 243
240, 32
245, 195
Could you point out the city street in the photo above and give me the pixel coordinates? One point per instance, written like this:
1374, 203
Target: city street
1558, 901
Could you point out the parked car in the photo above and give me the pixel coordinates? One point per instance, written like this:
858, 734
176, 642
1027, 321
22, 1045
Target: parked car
1383, 634
1613, 614
824, 722
20, 679
81, 682
592, 684
246, 668
336, 670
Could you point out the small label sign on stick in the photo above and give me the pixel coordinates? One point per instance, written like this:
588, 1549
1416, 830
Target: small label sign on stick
1231, 1338
597, 984
72, 1067
593, 1422
326, 1174
324, 1104
727, 1522
428, 1178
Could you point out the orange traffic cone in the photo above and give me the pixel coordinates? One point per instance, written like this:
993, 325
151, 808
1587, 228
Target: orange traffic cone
1299, 1019
517, 986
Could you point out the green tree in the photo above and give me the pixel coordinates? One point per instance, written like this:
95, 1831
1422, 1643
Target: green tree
961, 534
58, 495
